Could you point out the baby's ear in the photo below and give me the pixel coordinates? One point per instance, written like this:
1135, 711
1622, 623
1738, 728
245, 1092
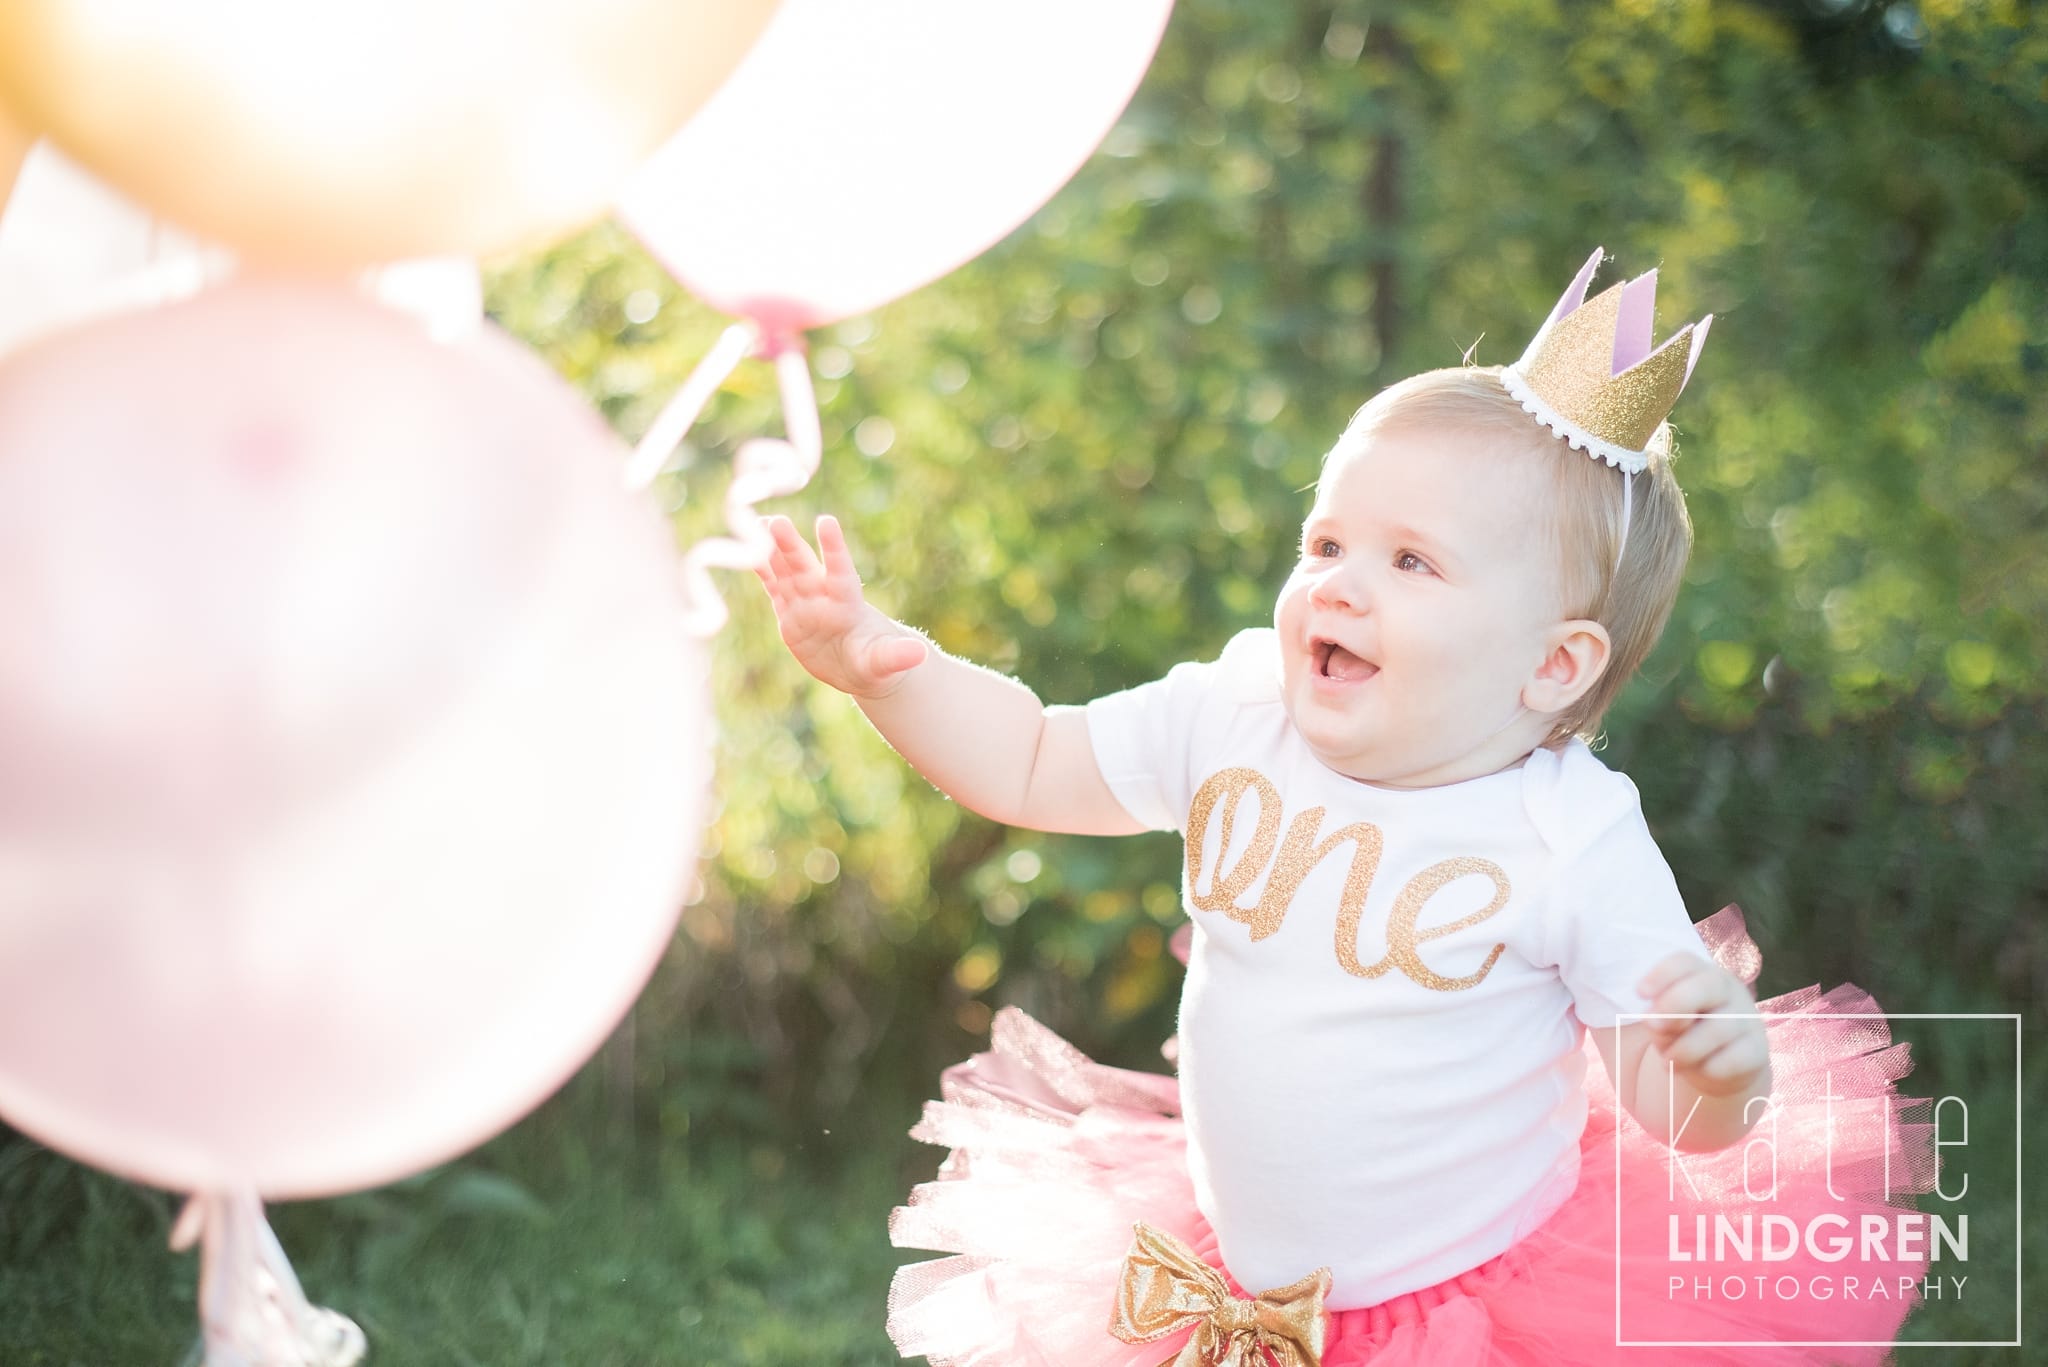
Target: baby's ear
1576, 658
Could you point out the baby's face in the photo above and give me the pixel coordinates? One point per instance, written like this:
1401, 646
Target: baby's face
1425, 599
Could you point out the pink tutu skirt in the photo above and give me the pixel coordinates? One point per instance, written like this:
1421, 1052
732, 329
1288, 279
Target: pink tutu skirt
1055, 1157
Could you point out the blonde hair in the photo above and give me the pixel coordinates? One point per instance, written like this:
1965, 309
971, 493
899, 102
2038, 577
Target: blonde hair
1632, 600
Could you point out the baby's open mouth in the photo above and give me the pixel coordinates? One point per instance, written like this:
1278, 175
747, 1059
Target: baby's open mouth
1335, 662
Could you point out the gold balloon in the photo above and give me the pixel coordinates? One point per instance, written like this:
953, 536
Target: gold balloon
329, 136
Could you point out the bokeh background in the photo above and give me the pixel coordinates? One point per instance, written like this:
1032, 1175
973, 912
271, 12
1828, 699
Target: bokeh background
1084, 458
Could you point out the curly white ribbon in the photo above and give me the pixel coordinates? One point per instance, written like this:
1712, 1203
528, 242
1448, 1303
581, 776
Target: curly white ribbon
763, 467
252, 1311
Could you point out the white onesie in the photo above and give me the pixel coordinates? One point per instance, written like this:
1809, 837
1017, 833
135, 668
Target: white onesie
1379, 1036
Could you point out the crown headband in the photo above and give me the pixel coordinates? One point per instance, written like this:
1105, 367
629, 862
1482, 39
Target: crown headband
1591, 377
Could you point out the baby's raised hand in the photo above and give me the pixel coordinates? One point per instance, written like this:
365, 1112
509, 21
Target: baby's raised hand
1721, 1053
826, 623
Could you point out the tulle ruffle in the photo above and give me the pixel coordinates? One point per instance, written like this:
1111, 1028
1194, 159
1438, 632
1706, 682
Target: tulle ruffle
1054, 1157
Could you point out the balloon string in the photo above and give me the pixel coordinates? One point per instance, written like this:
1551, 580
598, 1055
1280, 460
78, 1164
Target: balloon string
252, 1311
679, 415
765, 467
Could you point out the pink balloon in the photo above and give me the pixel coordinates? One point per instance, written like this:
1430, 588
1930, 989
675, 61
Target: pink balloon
865, 147
355, 760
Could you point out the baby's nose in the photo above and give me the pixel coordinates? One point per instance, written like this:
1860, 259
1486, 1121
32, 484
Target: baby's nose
1337, 588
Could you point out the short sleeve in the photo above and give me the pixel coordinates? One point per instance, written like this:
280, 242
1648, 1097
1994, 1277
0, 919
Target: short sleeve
1615, 911
1143, 739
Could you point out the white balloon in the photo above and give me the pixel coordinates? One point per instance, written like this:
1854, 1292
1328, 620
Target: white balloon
73, 248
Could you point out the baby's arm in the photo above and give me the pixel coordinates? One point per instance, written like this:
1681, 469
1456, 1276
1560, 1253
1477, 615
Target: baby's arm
1697, 1084
983, 740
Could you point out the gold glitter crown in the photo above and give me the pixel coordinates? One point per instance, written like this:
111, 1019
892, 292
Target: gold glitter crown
1591, 377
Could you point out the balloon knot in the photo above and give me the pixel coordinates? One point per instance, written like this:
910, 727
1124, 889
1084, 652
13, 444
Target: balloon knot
252, 1312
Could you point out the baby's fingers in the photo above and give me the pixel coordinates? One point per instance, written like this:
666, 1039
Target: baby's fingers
1698, 986
1700, 1039
1721, 1055
891, 655
770, 568
792, 556
1681, 986
1670, 969
832, 545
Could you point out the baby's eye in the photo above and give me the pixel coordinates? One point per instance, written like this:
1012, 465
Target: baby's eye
1411, 563
1320, 548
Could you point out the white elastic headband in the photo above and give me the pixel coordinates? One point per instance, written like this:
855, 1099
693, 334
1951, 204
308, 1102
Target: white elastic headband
1628, 485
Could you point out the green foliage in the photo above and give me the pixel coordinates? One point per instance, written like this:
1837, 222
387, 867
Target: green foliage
1082, 457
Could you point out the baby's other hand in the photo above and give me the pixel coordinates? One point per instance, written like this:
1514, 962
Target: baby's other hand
1723, 1051
826, 623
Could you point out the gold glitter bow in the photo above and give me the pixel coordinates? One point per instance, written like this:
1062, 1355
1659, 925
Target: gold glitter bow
1165, 1288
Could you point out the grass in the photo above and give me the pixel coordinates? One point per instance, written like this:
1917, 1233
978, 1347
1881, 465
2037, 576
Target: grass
546, 1247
